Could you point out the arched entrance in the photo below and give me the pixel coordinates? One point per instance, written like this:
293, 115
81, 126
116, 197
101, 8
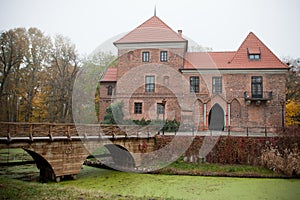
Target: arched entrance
216, 118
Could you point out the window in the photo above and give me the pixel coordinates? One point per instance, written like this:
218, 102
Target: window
254, 56
163, 56
145, 56
138, 107
109, 90
217, 85
194, 84
160, 108
256, 87
150, 84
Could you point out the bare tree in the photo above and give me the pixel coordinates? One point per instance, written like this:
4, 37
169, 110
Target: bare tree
62, 73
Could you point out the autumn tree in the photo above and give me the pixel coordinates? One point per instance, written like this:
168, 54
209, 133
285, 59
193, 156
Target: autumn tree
14, 44
293, 91
36, 60
36, 76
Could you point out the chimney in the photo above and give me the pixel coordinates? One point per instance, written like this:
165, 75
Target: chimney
180, 33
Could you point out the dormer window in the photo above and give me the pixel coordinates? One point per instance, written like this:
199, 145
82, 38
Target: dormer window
254, 56
254, 53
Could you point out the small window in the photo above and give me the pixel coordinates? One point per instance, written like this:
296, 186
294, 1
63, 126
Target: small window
254, 56
256, 87
163, 56
150, 84
194, 84
217, 85
109, 90
138, 107
145, 56
160, 108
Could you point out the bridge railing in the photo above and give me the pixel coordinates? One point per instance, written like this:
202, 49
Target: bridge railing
31, 130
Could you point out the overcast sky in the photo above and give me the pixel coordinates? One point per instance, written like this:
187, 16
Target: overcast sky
219, 24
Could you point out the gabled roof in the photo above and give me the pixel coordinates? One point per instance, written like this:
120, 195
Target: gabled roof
252, 44
238, 59
152, 30
110, 75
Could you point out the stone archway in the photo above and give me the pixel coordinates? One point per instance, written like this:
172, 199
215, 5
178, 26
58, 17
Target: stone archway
216, 118
122, 158
46, 170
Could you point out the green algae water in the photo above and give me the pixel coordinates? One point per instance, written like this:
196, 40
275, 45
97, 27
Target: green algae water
184, 187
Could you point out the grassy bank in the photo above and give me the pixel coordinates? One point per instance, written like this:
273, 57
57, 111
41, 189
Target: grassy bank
205, 169
16, 189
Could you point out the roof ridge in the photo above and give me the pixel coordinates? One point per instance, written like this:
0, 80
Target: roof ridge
251, 34
154, 17
268, 49
153, 22
230, 61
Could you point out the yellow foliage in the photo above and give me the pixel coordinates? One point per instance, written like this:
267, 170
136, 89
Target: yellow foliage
292, 113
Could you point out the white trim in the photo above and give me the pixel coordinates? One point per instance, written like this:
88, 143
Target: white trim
149, 45
204, 114
233, 71
228, 113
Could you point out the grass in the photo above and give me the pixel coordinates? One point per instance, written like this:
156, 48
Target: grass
16, 189
94, 183
14, 155
183, 168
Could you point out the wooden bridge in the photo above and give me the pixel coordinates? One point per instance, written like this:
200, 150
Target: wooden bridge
60, 149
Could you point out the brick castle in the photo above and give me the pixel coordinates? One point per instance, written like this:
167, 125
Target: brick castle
157, 77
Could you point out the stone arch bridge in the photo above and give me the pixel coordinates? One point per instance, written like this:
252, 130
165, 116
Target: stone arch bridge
60, 150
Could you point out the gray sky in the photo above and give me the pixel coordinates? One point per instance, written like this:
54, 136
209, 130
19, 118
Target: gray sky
219, 24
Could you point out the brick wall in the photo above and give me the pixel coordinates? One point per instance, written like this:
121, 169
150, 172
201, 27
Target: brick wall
105, 99
277, 153
173, 86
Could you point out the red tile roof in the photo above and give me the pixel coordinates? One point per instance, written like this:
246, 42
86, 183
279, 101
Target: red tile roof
206, 60
110, 75
152, 30
238, 59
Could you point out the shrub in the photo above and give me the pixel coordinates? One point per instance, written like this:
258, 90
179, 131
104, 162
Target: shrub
114, 114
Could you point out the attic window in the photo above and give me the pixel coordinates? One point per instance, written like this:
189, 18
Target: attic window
254, 56
254, 53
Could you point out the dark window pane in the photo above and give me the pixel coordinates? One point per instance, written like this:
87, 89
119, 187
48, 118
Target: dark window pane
138, 108
109, 90
256, 87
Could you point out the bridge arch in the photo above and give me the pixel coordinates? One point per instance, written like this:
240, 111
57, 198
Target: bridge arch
46, 170
121, 157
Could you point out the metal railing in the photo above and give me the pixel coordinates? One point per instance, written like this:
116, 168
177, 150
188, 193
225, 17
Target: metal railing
267, 95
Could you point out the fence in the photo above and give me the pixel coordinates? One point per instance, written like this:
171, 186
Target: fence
31, 130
